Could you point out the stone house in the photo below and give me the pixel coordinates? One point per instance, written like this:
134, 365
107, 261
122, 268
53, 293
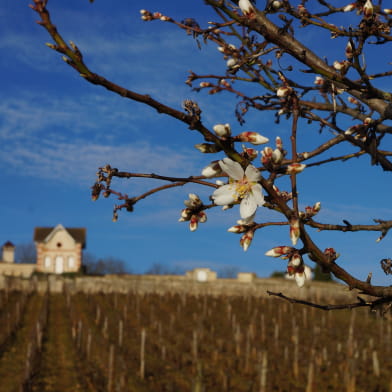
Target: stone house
59, 250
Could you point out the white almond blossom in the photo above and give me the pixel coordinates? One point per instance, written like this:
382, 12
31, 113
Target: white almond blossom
243, 187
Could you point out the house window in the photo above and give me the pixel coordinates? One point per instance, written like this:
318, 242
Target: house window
71, 262
47, 262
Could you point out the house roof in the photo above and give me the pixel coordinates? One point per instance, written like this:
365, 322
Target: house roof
77, 233
8, 244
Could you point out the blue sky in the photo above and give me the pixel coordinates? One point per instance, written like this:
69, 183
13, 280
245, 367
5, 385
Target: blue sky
56, 130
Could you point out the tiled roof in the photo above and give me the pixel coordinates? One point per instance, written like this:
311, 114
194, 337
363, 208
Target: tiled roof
77, 233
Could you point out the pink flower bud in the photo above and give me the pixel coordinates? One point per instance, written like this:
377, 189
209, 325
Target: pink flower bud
331, 254
193, 223
252, 137
237, 229
295, 168
279, 251
193, 201
246, 240
294, 231
318, 81
296, 260
250, 152
202, 217
353, 100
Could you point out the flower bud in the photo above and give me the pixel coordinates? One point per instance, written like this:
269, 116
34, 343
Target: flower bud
193, 223
278, 143
349, 50
296, 260
368, 9
212, 170
318, 81
246, 8
222, 130
202, 217
349, 7
331, 254
252, 137
353, 100
283, 91
251, 153
186, 214
246, 240
231, 63
279, 251
237, 229
277, 156
341, 65
294, 231
207, 148
295, 168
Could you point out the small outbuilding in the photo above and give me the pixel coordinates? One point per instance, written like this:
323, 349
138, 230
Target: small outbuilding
201, 275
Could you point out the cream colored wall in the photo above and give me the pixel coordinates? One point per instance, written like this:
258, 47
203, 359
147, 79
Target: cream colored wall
20, 270
59, 256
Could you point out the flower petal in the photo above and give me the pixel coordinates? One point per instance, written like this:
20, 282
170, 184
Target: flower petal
258, 194
224, 195
300, 278
232, 169
248, 206
252, 173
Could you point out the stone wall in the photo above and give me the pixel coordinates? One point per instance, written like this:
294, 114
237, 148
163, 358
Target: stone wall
144, 284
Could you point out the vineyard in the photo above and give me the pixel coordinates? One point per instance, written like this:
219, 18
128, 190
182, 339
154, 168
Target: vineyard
174, 342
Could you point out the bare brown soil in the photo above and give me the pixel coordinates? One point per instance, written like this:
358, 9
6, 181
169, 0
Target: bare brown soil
180, 342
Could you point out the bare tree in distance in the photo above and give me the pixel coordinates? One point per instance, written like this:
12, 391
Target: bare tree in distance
26, 253
102, 266
340, 98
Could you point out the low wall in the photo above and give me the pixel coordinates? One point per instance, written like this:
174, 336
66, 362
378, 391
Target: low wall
144, 284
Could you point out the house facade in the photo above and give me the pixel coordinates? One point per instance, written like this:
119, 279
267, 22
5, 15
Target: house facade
59, 250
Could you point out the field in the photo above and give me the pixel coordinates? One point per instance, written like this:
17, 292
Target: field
174, 342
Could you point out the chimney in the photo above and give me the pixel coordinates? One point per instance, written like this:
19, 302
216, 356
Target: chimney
8, 252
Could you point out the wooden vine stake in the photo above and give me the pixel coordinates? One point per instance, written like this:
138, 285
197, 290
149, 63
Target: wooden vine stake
263, 371
110, 368
142, 353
